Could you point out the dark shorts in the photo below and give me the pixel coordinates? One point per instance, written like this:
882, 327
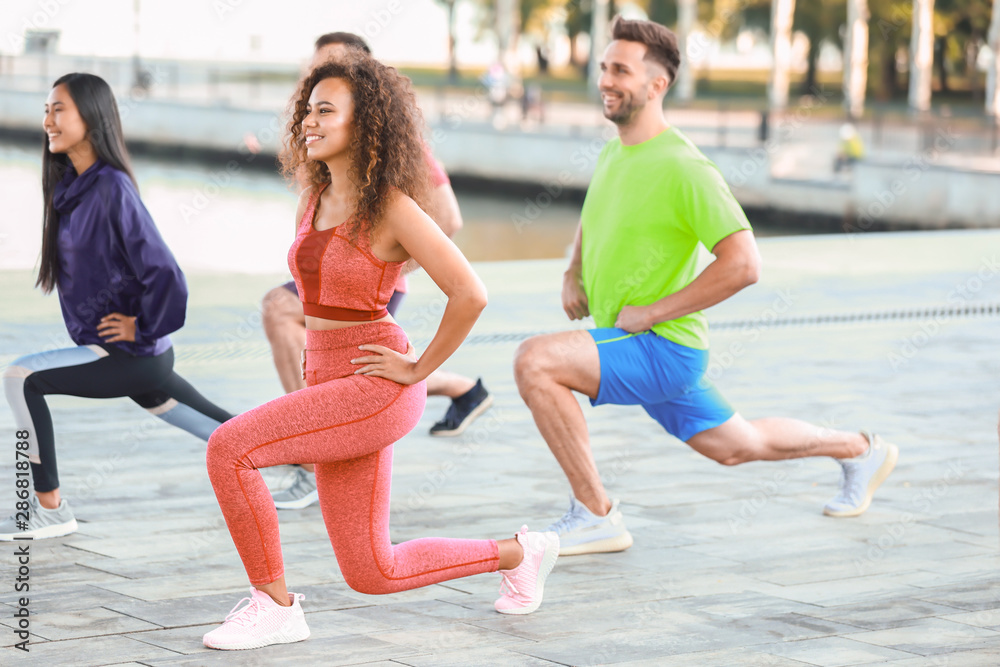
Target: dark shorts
394, 301
665, 378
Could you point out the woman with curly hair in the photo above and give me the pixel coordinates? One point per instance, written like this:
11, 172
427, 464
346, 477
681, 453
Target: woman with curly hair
355, 131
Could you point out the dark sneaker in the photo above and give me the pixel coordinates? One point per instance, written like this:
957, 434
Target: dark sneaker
464, 410
41, 524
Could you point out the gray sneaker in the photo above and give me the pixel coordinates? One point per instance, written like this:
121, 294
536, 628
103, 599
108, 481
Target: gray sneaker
583, 532
301, 494
861, 476
41, 524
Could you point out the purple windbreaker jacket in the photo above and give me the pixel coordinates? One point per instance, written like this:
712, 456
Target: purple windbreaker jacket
113, 259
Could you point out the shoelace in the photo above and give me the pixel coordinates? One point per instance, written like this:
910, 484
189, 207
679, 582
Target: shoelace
850, 483
508, 583
451, 416
241, 616
460, 403
569, 520
301, 480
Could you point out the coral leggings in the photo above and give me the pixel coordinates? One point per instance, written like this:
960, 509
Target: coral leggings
345, 424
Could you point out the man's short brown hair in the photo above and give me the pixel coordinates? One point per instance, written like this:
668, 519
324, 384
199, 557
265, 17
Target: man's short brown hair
661, 43
345, 38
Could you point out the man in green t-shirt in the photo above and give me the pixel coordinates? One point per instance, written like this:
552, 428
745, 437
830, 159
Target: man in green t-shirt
652, 200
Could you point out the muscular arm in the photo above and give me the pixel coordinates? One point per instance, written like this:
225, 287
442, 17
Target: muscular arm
573, 296
736, 265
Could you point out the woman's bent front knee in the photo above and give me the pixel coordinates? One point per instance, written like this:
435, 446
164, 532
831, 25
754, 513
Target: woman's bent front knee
370, 584
224, 449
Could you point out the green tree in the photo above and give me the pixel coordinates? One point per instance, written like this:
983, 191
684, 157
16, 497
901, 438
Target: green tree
452, 58
579, 15
819, 20
534, 17
960, 27
888, 38
661, 11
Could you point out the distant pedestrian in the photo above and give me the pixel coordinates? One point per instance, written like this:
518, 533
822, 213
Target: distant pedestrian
850, 150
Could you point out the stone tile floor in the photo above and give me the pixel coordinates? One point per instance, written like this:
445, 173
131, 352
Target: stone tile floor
731, 566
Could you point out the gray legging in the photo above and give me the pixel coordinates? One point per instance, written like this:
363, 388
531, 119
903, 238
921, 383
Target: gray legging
99, 371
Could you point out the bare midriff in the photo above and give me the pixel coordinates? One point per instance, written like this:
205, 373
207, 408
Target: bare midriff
321, 324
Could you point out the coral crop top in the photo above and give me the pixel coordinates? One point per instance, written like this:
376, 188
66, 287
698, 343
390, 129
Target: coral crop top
338, 279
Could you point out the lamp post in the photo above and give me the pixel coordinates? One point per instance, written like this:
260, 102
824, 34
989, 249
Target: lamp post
598, 42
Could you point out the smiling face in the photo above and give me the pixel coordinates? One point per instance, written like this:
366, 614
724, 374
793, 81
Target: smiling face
63, 125
329, 123
627, 81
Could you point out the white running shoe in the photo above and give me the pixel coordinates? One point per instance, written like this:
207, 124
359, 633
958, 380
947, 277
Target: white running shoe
261, 622
583, 532
41, 524
300, 494
861, 476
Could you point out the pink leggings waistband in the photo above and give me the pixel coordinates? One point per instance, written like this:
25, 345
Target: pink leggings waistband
328, 353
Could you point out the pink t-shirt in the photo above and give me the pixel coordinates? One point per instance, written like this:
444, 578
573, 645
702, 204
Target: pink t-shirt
439, 177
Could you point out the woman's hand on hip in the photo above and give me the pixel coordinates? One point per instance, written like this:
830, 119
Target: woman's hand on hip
389, 364
117, 327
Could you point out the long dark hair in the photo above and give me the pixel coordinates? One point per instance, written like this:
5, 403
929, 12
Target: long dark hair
99, 111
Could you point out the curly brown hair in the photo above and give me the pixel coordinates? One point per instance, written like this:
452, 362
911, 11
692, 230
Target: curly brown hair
387, 150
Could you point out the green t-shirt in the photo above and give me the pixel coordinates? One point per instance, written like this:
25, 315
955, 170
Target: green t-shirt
647, 208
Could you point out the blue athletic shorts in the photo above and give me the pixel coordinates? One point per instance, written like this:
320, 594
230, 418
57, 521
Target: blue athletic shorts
665, 378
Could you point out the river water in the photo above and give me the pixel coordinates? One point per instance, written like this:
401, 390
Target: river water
243, 221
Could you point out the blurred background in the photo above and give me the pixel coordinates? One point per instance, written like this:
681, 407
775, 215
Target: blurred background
841, 116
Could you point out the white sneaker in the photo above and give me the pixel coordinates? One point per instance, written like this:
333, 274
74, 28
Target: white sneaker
261, 622
583, 532
41, 524
861, 476
522, 587
300, 494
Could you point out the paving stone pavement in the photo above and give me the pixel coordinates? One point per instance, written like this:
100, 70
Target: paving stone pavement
731, 566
